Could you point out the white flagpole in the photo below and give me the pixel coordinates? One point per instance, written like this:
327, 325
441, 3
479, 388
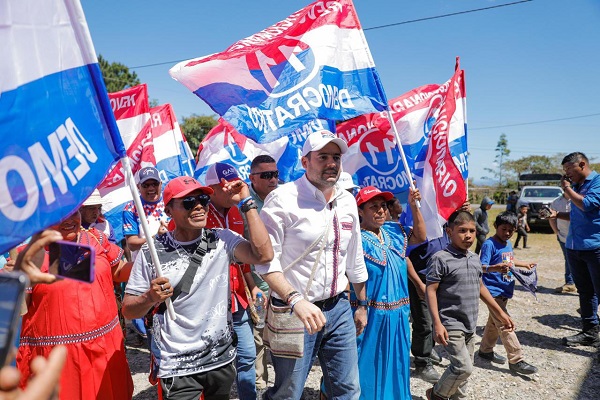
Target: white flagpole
402, 155
464, 104
140, 210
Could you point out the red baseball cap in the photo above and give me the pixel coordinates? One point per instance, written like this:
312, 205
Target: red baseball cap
181, 187
367, 193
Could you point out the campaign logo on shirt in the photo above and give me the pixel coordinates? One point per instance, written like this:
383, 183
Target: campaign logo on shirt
347, 226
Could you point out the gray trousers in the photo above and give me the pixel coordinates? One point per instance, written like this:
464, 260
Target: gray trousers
460, 349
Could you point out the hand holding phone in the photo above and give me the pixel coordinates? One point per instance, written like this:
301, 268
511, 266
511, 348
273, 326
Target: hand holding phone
13, 286
72, 260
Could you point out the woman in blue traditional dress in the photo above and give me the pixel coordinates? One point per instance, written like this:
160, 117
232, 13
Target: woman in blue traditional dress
384, 346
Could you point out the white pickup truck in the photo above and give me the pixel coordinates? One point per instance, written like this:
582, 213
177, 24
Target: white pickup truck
537, 197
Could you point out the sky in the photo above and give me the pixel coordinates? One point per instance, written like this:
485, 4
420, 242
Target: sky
531, 68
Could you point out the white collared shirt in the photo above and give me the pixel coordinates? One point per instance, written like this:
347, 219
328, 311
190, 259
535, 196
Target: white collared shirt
296, 215
562, 204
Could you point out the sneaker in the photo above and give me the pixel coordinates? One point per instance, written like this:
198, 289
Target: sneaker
566, 288
522, 368
526, 247
588, 337
427, 373
435, 357
493, 357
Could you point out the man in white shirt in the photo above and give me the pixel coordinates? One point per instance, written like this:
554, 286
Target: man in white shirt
303, 217
561, 229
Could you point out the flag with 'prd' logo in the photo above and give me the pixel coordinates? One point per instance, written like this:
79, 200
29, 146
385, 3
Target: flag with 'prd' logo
314, 64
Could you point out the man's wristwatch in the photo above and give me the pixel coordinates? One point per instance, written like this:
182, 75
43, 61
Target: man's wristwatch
248, 205
362, 303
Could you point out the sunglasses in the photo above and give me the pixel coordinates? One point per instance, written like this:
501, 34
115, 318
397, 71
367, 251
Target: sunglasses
267, 174
190, 202
153, 184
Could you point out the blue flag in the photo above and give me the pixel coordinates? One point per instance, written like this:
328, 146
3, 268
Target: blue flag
59, 136
315, 64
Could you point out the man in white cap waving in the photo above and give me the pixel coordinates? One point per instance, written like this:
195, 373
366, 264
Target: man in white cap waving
313, 225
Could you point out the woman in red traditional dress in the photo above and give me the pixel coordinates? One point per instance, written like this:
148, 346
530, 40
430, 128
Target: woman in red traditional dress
83, 317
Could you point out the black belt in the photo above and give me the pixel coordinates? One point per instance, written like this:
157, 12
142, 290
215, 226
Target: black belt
322, 304
330, 302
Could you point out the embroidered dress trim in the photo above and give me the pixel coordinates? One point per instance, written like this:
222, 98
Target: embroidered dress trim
368, 236
381, 305
69, 339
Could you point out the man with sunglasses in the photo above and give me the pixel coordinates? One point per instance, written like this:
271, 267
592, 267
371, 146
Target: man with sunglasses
264, 178
314, 227
197, 349
223, 213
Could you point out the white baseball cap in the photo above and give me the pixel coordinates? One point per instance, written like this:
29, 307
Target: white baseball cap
345, 181
317, 140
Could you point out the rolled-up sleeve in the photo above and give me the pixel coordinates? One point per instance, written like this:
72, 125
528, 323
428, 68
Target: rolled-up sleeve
357, 270
272, 216
591, 200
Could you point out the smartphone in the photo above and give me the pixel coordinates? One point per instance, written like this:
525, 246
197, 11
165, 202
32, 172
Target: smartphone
72, 260
12, 292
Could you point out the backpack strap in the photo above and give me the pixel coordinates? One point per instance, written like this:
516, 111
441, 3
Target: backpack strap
206, 245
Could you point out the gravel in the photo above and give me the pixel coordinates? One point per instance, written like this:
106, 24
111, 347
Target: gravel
564, 373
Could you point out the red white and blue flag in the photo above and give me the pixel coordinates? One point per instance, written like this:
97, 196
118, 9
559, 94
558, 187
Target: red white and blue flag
315, 64
373, 157
153, 138
224, 144
132, 112
59, 136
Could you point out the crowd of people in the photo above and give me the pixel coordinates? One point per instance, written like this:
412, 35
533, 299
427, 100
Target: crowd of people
343, 276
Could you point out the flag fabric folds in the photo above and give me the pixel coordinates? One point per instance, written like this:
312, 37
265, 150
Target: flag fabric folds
373, 157
59, 137
153, 138
315, 64
132, 112
224, 144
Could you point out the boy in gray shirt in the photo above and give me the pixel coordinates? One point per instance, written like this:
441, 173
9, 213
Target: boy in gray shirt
453, 288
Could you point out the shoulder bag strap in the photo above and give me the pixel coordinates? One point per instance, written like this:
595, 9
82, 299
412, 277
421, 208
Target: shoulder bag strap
318, 256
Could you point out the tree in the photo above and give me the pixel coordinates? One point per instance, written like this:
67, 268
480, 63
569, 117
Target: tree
532, 165
116, 75
195, 127
502, 152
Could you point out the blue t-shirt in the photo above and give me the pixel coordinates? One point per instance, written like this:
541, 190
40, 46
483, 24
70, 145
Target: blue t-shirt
584, 231
494, 252
155, 214
421, 253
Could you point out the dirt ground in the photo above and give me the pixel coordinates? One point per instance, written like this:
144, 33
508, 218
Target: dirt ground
564, 373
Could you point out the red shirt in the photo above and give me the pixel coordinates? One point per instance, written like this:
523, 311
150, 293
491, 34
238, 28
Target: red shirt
232, 220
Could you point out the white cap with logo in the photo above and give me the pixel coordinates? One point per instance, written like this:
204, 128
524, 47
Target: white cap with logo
317, 140
345, 181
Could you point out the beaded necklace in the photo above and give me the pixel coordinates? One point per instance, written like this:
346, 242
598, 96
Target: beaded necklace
380, 243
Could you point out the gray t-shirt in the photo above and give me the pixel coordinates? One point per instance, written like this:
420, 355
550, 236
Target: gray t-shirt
201, 337
459, 277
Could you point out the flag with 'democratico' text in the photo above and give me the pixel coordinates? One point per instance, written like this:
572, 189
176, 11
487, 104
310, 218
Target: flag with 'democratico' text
430, 112
59, 136
315, 64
